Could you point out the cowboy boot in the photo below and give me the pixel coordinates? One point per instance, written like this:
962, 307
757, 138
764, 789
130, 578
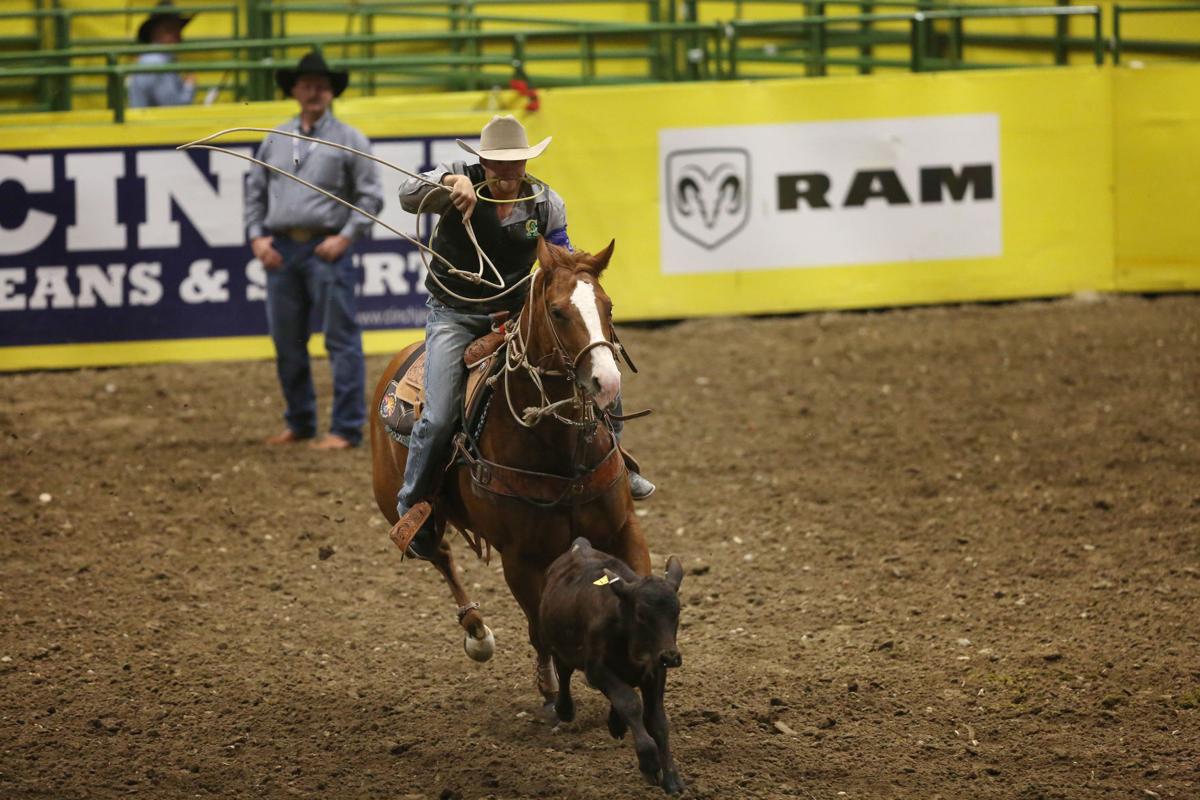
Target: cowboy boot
425, 543
639, 487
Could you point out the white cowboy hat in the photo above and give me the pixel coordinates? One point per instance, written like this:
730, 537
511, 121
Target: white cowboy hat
503, 139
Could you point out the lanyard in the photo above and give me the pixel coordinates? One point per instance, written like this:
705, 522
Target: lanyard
296, 157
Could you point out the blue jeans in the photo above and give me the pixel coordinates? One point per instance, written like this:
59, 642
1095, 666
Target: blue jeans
448, 331
303, 283
447, 334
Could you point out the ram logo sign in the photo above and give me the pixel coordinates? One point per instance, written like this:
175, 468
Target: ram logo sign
829, 194
708, 193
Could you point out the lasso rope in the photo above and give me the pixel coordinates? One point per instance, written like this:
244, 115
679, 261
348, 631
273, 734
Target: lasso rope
516, 353
481, 256
473, 277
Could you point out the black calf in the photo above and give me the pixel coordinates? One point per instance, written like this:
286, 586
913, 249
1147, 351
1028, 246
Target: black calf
599, 617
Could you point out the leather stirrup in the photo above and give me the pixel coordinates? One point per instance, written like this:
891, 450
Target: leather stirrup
405, 530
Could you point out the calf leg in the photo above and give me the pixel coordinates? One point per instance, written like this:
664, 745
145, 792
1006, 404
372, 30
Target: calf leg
564, 706
616, 725
626, 704
655, 717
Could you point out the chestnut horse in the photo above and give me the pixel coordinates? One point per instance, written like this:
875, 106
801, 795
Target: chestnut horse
560, 361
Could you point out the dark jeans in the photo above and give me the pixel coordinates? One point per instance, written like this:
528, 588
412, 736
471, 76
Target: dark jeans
303, 283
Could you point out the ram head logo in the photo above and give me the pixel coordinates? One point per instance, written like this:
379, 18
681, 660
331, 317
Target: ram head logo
708, 194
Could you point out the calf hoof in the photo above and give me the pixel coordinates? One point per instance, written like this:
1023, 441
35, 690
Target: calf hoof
616, 725
671, 784
564, 708
649, 765
480, 649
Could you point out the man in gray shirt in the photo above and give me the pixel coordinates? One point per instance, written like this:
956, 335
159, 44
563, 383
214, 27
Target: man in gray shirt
161, 88
304, 242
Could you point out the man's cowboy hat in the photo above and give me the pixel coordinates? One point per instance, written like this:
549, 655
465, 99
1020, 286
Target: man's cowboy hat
503, 139
311, 64
146, 29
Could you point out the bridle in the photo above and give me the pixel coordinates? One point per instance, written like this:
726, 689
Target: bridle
565, 365
589, 476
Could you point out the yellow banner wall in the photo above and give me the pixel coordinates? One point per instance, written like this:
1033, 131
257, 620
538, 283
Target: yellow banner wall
1066, 138
1055, 166
1157, 129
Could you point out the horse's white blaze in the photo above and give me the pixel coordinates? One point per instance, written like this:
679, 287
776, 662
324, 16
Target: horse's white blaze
603, 365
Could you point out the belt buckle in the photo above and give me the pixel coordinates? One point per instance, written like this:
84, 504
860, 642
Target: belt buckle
300, 235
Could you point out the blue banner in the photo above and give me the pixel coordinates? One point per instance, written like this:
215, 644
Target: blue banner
136, 244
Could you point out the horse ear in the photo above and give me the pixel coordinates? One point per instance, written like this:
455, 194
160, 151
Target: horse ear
545, 257
674, 573
600, 260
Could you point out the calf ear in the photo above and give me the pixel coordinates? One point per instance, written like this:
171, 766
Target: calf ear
674, 573
621, 588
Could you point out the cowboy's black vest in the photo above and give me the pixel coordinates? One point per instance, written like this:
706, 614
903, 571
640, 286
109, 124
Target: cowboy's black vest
512, 246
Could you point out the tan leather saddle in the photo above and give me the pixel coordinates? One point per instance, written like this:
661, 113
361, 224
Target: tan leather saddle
404, 398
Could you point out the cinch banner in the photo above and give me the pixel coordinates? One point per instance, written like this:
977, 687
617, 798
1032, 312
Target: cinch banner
148, 243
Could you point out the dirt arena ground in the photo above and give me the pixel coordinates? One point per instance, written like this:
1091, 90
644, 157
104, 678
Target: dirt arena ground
936, 553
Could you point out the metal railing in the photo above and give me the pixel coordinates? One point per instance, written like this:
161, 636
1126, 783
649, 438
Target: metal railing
480, 50
1156, 46
807, 41
53, 25
450, 68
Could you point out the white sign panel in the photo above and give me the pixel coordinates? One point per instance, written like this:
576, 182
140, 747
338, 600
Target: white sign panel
820, 194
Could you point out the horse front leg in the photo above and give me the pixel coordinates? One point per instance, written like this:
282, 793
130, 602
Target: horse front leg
630, 547
526, 581
478, 641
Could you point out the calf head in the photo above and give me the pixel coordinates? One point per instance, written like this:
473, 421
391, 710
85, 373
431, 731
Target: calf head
650, 607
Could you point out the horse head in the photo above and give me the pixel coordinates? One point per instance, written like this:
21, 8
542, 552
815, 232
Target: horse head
570, 312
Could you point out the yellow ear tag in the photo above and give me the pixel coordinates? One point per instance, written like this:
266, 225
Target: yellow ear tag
604, 580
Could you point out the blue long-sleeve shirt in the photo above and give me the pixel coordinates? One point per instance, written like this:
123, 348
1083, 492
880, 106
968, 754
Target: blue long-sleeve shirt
148, 89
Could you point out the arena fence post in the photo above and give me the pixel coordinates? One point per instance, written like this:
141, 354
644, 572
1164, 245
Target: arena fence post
116, 91
1062, 31
655, 65
916, 56
957, 35
816, 41
62, 42
369, 28
1116, 43
866, 26
731, 35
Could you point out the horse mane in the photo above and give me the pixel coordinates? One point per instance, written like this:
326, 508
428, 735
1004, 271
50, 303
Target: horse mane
553, 257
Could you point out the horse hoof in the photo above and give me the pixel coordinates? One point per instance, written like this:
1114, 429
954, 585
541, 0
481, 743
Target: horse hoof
480, 649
